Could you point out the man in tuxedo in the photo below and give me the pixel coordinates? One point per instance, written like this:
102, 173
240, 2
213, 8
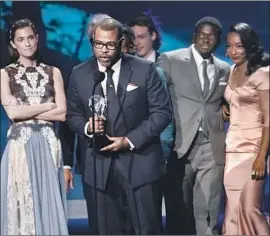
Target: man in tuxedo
196, 81
127, 170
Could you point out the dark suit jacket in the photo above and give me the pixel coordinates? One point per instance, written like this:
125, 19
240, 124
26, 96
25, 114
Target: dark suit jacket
143, 113
157, 56
70, 141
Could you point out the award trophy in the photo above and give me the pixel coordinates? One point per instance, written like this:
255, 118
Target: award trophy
98, 105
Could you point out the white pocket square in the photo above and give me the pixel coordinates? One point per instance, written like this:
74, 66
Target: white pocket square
131, 87
222, 83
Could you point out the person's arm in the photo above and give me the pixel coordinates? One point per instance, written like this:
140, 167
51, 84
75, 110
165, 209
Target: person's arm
14, 110
76, 119
167, 135
225, 109
159, 111
58, 113
67, 138
164, 63
258, 170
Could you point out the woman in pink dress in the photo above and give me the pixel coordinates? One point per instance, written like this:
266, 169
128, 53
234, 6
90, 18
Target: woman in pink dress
247, 140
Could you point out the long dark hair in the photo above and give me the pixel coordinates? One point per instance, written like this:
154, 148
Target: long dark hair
255, 54
20, 24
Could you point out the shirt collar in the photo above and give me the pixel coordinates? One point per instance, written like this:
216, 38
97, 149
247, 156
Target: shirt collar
152, 56
198, 58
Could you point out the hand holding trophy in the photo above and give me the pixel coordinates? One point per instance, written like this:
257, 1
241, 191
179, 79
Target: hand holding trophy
97, 104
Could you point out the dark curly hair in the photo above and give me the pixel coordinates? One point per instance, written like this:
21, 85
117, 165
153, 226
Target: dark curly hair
255, 54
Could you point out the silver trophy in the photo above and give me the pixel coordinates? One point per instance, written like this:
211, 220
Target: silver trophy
100, 105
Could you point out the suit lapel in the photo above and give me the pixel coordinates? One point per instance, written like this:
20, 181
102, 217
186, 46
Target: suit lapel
93, 65
215, 80
157, 55
193, 72
89, 80
92, 69
124, 78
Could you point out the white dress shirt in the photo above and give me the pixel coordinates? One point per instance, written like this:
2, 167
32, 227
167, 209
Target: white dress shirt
152, 57
210, 69
116, 68
199, 62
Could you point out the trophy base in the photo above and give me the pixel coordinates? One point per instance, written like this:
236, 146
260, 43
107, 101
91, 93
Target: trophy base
102, 141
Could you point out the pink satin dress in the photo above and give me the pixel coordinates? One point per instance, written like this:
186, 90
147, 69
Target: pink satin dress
244, 195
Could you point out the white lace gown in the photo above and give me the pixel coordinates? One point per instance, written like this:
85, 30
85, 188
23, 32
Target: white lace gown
33, 198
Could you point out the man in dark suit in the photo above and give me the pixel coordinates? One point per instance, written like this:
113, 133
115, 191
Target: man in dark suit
69, 139
196, 82
128, 169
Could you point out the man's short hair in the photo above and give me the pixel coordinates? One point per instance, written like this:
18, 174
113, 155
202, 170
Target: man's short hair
147, 21
109, 24
95, 19
209, 20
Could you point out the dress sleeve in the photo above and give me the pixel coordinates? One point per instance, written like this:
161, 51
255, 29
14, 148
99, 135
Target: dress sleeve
261, 80
262, 85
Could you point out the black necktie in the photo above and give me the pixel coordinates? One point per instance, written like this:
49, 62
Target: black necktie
111, 99
110, 85
206, 80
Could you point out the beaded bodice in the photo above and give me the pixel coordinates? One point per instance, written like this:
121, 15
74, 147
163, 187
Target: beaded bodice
31, 85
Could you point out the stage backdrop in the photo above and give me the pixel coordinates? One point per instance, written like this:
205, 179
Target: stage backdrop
63, 42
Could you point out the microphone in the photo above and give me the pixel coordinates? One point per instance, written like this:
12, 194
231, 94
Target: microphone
98, 78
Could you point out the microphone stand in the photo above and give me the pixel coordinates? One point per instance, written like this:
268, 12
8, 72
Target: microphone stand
94, 152
97, 79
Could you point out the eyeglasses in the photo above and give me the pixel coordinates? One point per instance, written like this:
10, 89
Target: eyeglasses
110, 45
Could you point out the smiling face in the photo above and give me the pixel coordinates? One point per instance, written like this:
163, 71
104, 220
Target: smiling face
143, 40
205, 40
235, 48
25, 42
